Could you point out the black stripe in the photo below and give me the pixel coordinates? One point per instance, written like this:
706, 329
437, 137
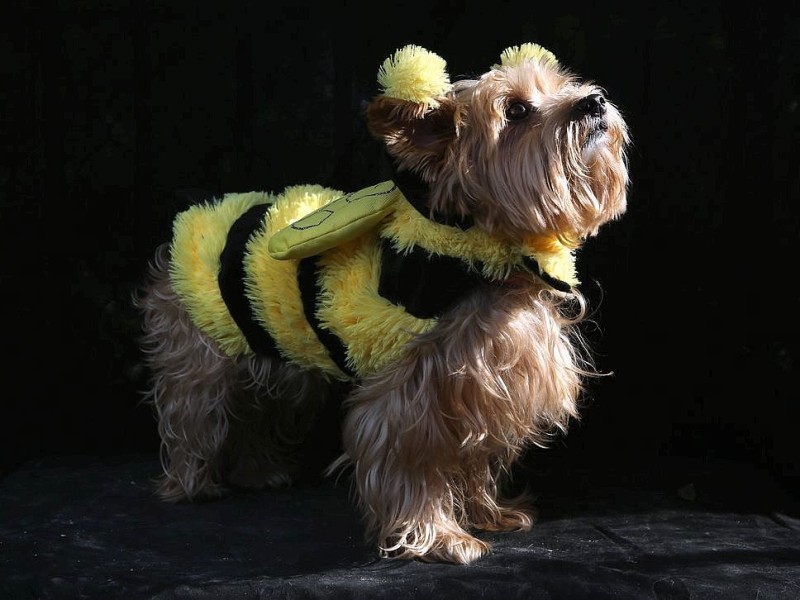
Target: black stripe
310, 293
231, 280
425, 284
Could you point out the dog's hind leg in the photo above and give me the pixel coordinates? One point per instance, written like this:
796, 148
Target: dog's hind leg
221, 420
193, 425
273, 411
192, 381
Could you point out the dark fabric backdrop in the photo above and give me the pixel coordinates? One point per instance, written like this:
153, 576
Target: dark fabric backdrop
114, 115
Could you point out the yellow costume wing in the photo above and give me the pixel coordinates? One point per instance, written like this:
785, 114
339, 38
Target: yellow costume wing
338, 221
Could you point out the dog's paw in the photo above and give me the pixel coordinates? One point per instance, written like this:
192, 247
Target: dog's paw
450, 546
509, 519
459, 549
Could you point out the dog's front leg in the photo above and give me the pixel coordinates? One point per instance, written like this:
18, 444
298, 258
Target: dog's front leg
405, 452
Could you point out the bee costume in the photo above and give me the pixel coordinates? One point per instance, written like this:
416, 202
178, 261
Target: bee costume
340, 282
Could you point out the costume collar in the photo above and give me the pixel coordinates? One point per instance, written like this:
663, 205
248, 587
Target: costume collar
496, 259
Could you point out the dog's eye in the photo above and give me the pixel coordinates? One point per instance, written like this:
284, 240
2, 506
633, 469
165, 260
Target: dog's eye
517, 111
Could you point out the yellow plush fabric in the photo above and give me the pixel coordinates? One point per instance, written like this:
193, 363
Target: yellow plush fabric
408, 228
199, 236
554, 257
373, 330
271, 284
514, 55
416, 75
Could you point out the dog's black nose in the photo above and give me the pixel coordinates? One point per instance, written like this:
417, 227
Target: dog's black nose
593, 104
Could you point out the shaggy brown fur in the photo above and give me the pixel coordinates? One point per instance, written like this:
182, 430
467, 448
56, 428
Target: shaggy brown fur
524, 150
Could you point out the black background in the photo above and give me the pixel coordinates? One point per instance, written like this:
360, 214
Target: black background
114, 115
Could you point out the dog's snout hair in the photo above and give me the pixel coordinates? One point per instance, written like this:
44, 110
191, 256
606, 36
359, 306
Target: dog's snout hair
594, 105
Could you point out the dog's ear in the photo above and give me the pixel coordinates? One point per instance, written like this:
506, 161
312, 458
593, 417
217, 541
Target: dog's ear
413, 116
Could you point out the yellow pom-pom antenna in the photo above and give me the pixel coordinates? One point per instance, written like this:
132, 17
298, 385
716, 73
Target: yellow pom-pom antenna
416, 75
515, 55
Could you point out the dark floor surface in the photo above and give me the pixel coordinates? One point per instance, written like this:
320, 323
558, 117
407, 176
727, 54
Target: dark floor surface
75, 527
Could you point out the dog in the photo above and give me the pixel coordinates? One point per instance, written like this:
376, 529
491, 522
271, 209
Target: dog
444, 300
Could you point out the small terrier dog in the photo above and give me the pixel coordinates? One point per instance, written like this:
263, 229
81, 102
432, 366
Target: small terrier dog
445, 299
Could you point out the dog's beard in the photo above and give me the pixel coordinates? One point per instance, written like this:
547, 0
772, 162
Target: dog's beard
596, 137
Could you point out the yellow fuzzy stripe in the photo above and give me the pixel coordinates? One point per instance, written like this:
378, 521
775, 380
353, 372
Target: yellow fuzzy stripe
374, 330
271, 285
408, 228
199, 236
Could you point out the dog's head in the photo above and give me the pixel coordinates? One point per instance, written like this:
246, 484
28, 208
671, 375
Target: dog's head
526, 149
